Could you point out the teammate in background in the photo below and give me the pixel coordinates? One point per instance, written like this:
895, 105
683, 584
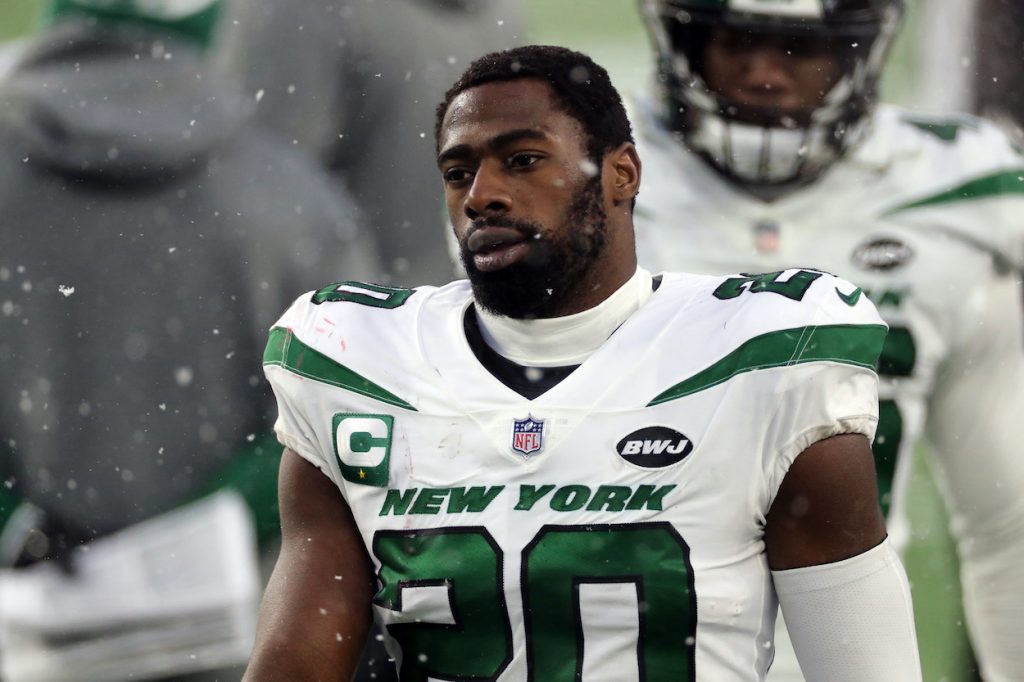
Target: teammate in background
765, 149
354, 82
149, 231
565, 466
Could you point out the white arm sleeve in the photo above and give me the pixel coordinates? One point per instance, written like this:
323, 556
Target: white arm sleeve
851, 620
974, 430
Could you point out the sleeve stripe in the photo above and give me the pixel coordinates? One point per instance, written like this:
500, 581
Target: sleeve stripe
857, 345
286, 351
994, 184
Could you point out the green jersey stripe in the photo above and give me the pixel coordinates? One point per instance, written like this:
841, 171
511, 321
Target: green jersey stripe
285, 350
995, 184
849, 344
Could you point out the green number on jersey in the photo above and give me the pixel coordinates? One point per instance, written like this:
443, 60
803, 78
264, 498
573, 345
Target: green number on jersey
651, 558
899, 354
794, 288
897, 360
473, 641
374, 295
470, 636
886, 449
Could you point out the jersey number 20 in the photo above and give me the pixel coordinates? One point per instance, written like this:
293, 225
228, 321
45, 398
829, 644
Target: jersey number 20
586, 590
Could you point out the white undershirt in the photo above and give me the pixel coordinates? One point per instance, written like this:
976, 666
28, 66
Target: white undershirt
562, 341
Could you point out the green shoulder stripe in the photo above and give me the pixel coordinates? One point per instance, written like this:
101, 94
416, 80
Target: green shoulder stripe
286, 351
849, 344
994, 184
946, 129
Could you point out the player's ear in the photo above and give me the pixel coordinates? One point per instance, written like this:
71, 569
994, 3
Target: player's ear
623, 165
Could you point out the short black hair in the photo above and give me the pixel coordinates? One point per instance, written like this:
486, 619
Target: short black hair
580, 86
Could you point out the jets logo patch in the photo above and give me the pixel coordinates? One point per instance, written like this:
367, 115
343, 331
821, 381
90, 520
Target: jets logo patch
362, 444
882, 254
654, 447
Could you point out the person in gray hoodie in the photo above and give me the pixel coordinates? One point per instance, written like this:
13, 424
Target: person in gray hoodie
355, 82
147, 228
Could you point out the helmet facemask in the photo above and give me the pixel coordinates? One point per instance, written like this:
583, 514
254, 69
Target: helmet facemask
766, 149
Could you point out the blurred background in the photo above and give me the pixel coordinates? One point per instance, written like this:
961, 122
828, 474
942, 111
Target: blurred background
611, 32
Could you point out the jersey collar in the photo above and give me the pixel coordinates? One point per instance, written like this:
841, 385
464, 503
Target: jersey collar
569, 340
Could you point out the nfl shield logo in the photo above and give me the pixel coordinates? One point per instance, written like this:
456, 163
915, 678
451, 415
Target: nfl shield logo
527, 435
766, 236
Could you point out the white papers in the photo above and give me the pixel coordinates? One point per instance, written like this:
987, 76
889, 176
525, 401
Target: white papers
174, 594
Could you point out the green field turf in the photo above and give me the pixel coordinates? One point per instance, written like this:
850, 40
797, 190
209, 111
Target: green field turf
17, 17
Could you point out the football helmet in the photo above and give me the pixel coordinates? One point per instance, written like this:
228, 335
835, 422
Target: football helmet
762, 148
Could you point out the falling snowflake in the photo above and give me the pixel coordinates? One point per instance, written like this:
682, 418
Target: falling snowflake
183, 376
65, 289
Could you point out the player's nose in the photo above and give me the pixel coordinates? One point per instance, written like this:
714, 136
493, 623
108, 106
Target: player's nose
489, 194
766, 70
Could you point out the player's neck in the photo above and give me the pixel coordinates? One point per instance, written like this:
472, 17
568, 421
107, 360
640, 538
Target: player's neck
568, 340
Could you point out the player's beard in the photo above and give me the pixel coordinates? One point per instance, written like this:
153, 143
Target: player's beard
542, 284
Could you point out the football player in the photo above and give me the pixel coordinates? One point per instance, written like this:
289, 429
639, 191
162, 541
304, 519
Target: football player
765, 148
564, 467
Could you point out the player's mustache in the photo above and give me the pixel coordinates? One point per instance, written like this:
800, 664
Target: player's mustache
526, 227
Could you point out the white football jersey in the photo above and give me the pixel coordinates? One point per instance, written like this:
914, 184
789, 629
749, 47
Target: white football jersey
611, 528
925, 217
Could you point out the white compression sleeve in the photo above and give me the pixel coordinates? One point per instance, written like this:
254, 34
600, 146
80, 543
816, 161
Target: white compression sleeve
851, 620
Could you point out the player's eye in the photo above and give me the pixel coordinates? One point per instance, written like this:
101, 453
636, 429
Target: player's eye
456, 175
523, 159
